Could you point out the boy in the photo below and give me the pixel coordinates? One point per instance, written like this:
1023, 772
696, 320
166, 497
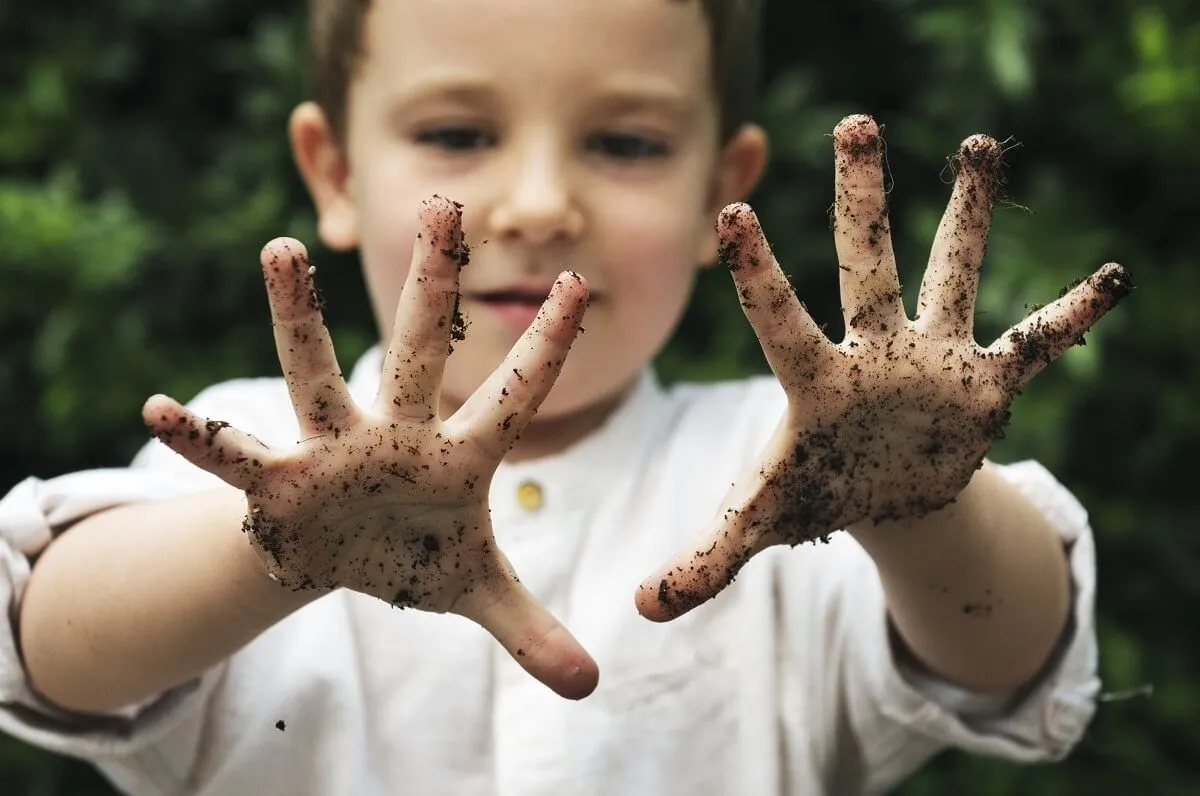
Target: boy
233, 631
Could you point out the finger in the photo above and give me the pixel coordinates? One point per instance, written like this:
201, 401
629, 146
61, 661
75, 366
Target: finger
504, 405
1041, 338
692, 578
427, 318
795, 347
234, 456
710, 563
791, 499
319, 395
533, 637
946, 304
862, 234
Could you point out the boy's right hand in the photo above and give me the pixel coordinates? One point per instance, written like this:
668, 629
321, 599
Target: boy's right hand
392, 501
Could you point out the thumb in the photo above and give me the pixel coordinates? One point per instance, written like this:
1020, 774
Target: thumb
699, 572
694, 576
534, 638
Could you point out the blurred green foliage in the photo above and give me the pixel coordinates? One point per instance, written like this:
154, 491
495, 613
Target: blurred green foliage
143, 162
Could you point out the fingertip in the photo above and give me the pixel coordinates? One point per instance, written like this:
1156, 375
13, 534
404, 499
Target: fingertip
164, 418
664, 598
1114, 281
438, 210
576, 287
282, 250
572, 276
855, 131
733, 210
157, 409
155, 401
736, 218
741, 237
648, 605
980, 144
578, 680
560, 663
743, 245
442, 233
979, 158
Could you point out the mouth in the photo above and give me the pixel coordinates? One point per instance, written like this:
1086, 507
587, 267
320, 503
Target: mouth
514, 307
532, 298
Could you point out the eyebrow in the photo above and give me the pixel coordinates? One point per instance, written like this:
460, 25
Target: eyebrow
641, 100
466, 90
616, 99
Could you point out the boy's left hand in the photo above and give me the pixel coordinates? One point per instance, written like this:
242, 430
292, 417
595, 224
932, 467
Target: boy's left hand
893, 421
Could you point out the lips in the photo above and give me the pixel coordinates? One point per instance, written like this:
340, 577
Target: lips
534, 294
514, 306
530, 296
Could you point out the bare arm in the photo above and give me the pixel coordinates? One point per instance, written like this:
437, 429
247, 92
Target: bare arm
135, 600
979, 590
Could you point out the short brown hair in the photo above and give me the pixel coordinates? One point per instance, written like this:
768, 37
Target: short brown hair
336, 41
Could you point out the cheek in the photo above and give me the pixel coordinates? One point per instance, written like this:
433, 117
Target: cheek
386, 255
663, 223
650, 275
652, 251
387, 206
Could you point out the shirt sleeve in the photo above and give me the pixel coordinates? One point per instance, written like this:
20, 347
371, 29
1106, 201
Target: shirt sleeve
901, 718
31, 515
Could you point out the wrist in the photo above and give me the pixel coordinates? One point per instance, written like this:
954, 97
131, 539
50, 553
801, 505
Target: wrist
870, 533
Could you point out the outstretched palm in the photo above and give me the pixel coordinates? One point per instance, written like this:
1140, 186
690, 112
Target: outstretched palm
892, 421
391, 500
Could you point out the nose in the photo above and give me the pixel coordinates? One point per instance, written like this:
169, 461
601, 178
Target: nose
537, 203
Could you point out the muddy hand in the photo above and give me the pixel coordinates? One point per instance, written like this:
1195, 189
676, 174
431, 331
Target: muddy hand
391, 500
893, 421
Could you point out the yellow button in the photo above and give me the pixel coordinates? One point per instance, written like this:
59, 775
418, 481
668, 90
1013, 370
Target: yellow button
530, 496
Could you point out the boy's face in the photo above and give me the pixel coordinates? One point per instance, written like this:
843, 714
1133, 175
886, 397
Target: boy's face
577, 134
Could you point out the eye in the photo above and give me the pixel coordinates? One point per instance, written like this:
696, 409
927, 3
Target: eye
456, 138
627, 146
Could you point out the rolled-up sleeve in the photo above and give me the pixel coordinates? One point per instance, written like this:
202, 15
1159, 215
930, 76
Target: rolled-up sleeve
901, 718
31, 515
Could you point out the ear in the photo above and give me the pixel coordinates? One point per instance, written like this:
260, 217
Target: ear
326, 171
739, 167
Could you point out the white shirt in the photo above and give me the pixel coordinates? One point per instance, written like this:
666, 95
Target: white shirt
784, 684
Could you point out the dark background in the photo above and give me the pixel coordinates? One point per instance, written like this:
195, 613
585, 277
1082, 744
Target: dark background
143, 163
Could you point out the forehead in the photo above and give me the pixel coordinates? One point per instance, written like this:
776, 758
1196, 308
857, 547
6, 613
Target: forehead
577, 43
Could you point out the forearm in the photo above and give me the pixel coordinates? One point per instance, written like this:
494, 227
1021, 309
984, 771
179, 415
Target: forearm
141, 598
980, 590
